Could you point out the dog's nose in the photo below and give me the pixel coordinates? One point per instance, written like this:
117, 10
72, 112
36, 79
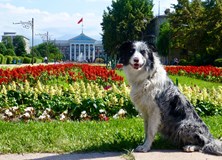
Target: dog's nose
136, 60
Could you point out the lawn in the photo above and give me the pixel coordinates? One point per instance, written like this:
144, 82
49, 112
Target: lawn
83, 136
184, 80
60, 137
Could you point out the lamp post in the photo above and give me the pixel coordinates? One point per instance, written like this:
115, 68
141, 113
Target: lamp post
45, 36
27, 25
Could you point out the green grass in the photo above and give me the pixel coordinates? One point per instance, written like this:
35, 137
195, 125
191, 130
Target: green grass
115, 135
191, 82
183, 80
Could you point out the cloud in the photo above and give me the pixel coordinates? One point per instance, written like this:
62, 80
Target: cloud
57, 24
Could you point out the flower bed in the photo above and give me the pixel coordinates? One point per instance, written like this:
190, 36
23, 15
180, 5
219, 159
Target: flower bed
80, 100
65, 72
208, 73
79, 92
63, 92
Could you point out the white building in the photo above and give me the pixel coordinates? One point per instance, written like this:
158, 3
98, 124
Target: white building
12, 36
81, 48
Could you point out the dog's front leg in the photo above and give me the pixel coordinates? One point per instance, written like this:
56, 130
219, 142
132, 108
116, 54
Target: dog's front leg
151, 124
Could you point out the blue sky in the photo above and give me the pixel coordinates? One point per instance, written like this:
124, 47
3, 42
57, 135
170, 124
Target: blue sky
59, 17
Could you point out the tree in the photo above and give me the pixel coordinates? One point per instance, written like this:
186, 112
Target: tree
125, 20
2, 48
35, 52
163, 41
19, 44
43, 50
8, 42
49, 50
213, 28
197, 26
10, 52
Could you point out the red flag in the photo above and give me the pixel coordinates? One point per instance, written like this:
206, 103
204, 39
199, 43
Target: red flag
80, 21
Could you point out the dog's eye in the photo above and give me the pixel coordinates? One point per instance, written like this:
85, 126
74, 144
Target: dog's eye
142, 51
132, 51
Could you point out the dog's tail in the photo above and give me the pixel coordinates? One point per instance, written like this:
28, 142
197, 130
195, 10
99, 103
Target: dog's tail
213, 147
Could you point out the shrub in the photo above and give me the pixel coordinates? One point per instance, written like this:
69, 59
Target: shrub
99, 60
34, 59
1, 58
39, 60
4, 59
27, 60
21, 59
9, 59
183, 62
218, 62
15, 60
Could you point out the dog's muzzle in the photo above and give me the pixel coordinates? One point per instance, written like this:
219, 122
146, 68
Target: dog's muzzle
136, 64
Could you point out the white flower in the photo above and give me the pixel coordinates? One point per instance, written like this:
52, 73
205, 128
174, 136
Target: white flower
42, 117
29, 109
26, 115
65, 112
83, 114
62, 117
48, 110
116, 116
8, 113
102, 111
45, 112
122, 112
14, 109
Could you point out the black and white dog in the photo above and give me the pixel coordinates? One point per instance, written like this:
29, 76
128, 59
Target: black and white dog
163, 107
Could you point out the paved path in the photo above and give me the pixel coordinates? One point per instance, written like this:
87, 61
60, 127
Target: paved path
153, 155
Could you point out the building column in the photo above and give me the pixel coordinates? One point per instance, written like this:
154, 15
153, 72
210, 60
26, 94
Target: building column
84, 52
70, 51
74, 52
93, 52
89, 51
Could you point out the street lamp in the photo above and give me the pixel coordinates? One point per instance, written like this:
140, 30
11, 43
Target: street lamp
27, 25
44, 36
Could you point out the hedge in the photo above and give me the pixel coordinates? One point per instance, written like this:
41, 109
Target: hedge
218, 62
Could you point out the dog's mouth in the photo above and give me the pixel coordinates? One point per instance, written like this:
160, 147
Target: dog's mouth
136, 65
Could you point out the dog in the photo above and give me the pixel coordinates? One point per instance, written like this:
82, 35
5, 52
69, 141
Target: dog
163, 107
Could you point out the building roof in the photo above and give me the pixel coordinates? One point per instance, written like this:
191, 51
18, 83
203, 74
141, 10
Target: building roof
82, 38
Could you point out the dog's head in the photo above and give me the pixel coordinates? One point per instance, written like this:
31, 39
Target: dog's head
136, 54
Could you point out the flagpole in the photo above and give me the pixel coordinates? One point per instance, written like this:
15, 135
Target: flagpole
82, 27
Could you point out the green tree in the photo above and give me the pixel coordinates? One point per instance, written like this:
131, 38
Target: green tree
2, 48
163, 40
10, 52
125, 20
49, 50
196, 27
8, 42
213, 29
19, 44
35, 52
43, 49
55, 53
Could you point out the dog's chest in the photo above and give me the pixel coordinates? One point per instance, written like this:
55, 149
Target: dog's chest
143, 95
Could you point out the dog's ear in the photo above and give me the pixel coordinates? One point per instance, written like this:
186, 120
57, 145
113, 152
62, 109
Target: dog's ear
123, 50
152, 47
124, 47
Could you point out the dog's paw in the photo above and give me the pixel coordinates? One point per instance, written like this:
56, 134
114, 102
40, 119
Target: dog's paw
191, 148
142, 148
